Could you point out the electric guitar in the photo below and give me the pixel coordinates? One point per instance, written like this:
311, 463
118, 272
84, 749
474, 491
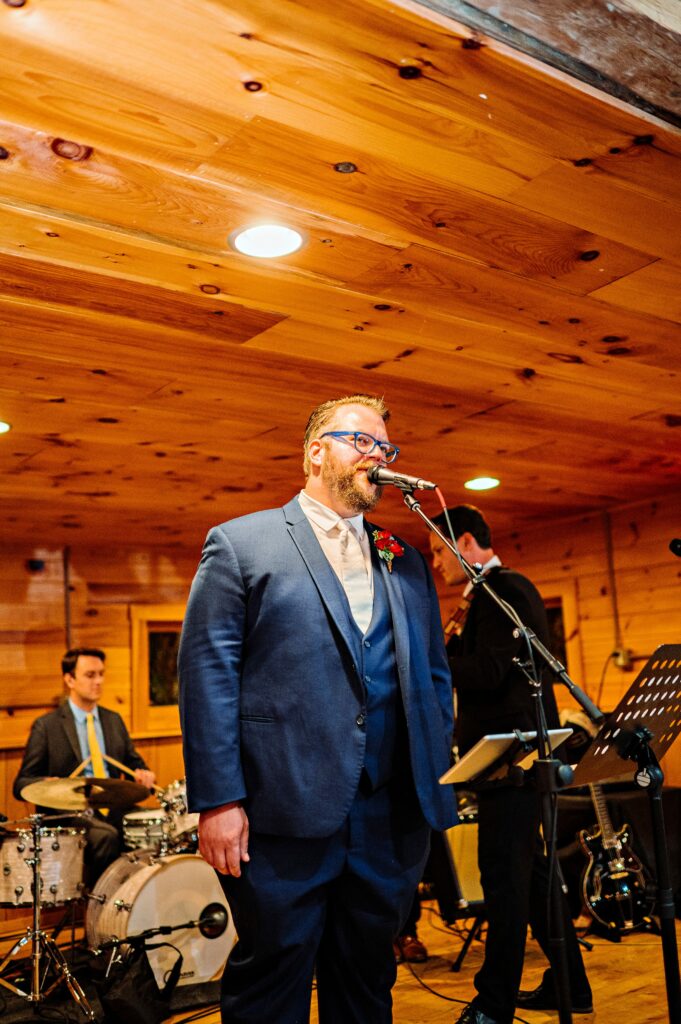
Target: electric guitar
614, 882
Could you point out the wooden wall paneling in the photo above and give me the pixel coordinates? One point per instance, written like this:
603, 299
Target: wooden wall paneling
587, 199
403, 204
652, 289
648, 582
647, 164
347, 118
421, 276
491, 63
164, 757
124, 195
355, 39
130, 115
160, 307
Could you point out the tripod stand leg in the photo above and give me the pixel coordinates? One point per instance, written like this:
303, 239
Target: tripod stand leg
474, 932
665, 900
64, 976
12, 953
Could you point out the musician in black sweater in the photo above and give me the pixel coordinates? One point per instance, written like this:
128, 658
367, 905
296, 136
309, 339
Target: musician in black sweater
493, 695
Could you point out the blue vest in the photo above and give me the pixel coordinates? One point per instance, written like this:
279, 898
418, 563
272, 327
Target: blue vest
387, 750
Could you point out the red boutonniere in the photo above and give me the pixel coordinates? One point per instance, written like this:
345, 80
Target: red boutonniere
388, 548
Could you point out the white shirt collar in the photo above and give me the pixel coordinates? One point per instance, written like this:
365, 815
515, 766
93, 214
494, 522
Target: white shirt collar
326, 519
490, 564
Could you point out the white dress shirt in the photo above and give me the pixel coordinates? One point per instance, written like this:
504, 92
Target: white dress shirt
324, 522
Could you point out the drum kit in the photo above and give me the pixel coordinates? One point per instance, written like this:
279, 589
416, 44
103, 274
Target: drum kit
160, 885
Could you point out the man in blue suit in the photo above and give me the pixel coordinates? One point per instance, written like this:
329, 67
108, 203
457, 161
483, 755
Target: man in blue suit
316, 710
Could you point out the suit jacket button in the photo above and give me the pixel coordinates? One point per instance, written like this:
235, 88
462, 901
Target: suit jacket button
361, 719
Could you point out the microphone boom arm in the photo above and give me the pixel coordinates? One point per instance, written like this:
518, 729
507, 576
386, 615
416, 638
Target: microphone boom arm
475, 576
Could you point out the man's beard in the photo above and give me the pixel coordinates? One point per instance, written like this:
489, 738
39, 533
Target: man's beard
342, 482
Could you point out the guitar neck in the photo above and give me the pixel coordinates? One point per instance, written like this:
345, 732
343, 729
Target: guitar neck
607, 831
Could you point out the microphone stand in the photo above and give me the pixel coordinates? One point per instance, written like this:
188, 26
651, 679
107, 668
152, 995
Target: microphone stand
550, 774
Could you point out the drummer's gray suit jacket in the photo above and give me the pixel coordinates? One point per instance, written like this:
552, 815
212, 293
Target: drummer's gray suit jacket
53, 748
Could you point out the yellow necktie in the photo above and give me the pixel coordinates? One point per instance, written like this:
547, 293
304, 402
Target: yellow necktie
97, 760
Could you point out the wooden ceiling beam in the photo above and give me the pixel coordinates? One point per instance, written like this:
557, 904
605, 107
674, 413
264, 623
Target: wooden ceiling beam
610, 46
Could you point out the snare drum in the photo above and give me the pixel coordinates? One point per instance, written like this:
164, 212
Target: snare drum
148, 827
140, 891
61, 866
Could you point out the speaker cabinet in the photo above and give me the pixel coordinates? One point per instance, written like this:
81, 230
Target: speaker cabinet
454, 871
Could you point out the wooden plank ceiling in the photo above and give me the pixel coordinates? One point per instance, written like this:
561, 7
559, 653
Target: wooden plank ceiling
503, 263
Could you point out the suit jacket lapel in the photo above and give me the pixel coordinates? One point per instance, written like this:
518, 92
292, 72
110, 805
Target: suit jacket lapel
322, 574
69, 725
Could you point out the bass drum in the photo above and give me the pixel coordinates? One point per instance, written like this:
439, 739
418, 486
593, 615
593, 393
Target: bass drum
145, 891
107, 885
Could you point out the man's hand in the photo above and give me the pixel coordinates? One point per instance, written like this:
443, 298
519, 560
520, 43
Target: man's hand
223, 838
145, 777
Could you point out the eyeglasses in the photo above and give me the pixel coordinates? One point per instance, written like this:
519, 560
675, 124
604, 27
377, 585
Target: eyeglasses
364, 443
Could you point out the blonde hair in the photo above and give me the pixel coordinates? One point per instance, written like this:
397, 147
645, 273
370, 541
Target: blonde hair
323, 414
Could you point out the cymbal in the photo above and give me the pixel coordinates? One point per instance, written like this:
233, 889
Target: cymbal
82, 792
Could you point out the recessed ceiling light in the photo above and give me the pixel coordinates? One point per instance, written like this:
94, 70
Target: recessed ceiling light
266, 241
4, 427
481, 483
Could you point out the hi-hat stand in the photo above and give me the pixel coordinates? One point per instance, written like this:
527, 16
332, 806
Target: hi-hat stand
45, 953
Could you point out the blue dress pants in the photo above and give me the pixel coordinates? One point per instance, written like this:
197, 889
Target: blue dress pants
333, 903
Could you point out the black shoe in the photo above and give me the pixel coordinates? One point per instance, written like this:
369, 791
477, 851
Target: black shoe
471, 1015
545, 998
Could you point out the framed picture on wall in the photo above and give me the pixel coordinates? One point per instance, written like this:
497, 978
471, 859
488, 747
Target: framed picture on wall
155, 641
560, 601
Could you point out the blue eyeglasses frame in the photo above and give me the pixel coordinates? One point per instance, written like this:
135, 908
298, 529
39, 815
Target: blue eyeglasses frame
343, 435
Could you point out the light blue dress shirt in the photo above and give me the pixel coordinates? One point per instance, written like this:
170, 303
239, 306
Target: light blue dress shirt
80, 717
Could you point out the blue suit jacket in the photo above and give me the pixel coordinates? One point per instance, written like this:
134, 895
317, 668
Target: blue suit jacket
269, 687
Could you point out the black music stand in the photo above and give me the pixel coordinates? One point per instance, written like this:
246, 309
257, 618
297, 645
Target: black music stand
642, 728
490, 762
494, 756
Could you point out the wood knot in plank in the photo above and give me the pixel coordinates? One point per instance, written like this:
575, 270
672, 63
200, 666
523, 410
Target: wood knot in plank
69, 150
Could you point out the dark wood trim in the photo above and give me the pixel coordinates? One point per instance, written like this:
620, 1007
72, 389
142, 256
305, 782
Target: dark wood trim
496, 28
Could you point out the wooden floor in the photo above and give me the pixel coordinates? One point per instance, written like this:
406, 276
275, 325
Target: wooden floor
627, 980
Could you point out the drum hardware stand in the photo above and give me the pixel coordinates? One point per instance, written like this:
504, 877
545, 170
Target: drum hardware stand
69, 915
42, 945
211, 924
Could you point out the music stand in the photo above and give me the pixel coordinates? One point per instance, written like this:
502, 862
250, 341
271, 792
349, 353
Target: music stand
642, 728
493, 756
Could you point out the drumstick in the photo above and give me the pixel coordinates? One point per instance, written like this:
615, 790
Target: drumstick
80, 768
124, 768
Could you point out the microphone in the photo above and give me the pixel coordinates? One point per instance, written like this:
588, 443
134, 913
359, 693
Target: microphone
675, 547
381, 475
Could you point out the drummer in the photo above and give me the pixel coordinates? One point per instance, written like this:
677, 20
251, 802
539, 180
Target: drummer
80, 729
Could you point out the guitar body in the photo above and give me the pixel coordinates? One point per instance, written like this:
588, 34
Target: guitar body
614, 881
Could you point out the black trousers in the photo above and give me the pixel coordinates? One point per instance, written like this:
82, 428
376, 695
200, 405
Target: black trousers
514, 876
333, 904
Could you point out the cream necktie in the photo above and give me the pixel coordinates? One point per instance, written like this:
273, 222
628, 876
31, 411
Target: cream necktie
97, 761
355, 578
